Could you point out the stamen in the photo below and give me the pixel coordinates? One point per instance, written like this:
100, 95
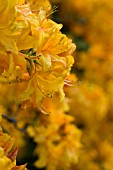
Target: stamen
43, 110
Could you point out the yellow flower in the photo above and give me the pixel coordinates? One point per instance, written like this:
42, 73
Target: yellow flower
7, 155
32, 44
57, 138
37, 4
52, 64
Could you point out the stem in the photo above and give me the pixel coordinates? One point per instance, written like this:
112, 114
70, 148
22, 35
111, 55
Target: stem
14, 121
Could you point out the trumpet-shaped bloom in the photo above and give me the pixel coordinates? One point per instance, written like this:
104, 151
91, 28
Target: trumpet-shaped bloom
7, 154
33, 45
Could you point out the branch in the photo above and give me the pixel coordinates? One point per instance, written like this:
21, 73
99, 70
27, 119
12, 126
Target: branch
14, 121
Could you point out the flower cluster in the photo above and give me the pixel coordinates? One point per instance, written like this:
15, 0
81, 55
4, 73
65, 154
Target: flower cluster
57, 138
36, 59
54, 134
33, 50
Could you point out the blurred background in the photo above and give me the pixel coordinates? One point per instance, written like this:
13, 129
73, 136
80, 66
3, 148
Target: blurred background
90, 24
